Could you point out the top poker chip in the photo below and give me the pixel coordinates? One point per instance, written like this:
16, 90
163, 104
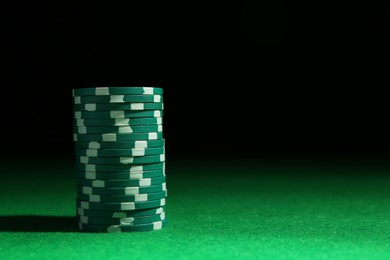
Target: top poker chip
106, 91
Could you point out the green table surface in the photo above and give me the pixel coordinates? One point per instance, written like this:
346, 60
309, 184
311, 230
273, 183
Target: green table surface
218, 208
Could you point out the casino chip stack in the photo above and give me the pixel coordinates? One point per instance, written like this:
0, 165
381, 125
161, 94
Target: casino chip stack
120, 159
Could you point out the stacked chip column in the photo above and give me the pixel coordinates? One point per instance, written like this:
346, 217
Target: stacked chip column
120, 159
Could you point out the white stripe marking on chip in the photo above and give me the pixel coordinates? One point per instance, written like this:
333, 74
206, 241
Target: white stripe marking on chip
87, 190
141, 144
137, 106
98, 183
117, 98
127, 206
125, 130
84, 219
84, 204
131, 190
102, 91
80, 122
90, 107
94, 198
94, 145
122, 121
156, 98
126, 221
152, 136
90, 167
84, 159
141, 197
145, 182
90, 175
77, 115
157, 225
109, 137
126, 160
136, 176
138, 168
82, 130
117, 114
114, 229
138, 152
148, 90
92, 153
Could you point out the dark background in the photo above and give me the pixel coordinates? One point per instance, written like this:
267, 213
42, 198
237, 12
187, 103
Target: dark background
246, 78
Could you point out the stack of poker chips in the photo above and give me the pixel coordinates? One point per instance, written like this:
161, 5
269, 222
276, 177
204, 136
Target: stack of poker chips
120, 159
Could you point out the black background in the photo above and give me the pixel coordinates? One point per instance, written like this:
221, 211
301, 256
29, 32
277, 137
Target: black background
245, 78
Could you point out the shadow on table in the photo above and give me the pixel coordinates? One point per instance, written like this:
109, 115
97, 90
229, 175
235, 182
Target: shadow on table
34, 223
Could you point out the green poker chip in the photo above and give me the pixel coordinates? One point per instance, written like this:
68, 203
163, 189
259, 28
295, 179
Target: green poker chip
135, 152
120, 144
120, 213
129, 221
106, 91
118, 106
120, 175
118, 121
113, 137
120, 205
119, 167
116, 129
121, 183
117, 99
121, 228
123, 198
121, 190
118, 114
121, 159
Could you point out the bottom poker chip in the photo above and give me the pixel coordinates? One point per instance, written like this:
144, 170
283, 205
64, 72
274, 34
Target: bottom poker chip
120, 214
131, 221
120, 228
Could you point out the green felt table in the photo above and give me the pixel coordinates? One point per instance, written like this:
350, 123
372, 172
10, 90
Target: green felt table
218, 208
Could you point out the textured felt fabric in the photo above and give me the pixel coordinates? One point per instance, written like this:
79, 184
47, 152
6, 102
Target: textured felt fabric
216, 210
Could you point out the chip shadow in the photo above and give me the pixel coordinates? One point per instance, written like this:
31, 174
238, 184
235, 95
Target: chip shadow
36, 223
